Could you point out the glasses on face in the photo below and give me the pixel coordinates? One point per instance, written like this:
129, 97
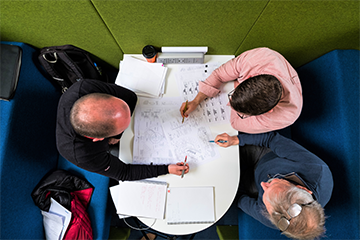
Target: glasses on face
242, 116
293, 211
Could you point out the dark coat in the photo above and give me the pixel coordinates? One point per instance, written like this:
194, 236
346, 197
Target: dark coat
72, 192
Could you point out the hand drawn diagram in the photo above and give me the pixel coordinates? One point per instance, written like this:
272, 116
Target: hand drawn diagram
213, 109
161, 138
190, 138
150, 145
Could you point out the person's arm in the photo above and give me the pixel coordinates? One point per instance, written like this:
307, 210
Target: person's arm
225, 140
112, 167
280, 145
229, 71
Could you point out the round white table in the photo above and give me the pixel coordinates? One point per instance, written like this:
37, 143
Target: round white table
222, 173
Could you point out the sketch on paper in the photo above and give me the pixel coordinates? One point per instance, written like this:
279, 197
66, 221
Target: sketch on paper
213, 109
190, 138
161, 138
150, 145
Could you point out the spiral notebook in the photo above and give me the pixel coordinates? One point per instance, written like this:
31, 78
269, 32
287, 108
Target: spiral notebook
190, 205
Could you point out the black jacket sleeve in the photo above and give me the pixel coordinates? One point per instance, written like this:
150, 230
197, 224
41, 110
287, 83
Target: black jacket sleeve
108, 165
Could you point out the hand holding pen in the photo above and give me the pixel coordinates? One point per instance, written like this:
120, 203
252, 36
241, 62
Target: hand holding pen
178, 168
188, 107
183, 171
224, 140
184, 110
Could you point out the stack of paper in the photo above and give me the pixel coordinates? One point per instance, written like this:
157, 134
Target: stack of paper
143, 198
56, 221
145, 79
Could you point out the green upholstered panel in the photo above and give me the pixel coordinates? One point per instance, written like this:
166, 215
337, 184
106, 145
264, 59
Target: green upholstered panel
50, 23
304, 30
220, 25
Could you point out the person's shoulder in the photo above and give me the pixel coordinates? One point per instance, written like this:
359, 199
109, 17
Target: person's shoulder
263, 51
91, 83
261, 54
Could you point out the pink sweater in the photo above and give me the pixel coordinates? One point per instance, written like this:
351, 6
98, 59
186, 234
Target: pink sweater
255, 62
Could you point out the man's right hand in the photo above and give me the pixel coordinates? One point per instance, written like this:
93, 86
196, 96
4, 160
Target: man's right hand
227, 140
178, 168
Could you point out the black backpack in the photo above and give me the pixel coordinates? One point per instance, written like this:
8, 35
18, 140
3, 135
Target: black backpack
68, 64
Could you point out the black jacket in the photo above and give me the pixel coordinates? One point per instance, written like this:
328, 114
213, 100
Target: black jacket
95, 156
58, 185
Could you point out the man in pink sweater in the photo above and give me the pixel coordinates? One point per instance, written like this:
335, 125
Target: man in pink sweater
267, 94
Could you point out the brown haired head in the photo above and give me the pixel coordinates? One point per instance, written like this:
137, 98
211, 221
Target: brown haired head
256, 95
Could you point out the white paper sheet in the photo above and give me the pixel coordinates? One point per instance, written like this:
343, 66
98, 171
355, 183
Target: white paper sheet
190, 138
142, 77
150, 145
213, 109
190, 205
161, 138
56, 221
142, 198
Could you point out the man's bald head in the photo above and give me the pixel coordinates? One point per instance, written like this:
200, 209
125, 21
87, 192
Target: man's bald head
100, 115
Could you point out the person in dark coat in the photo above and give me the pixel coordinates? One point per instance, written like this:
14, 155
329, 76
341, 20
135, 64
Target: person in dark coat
93, 115
282, 185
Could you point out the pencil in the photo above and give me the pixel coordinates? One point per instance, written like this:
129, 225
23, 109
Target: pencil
185, 109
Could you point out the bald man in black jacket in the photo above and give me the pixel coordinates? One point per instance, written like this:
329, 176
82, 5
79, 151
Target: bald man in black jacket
93, 114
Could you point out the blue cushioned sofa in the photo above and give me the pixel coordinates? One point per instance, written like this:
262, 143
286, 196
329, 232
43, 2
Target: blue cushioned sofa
329, 127
28, 152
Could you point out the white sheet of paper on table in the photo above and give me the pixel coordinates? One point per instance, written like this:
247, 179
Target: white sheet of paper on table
150, 144
143, 198
161, 138
190, 138
213, 109
142, 77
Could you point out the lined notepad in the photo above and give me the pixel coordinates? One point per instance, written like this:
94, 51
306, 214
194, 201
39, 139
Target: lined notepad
142, 198
190, 205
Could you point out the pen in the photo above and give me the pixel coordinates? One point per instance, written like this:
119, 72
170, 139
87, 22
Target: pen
183, 171
220, 141
185, 108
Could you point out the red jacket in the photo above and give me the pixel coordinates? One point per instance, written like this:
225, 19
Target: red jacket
73, 193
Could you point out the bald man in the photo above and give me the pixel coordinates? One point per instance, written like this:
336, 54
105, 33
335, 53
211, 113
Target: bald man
93, 115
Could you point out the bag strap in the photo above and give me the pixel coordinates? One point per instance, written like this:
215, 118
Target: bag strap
46, 63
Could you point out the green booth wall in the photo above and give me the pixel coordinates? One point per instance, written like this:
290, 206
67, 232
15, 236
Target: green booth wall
301, 30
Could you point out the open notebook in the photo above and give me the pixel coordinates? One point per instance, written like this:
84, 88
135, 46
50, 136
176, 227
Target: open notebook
189, 205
